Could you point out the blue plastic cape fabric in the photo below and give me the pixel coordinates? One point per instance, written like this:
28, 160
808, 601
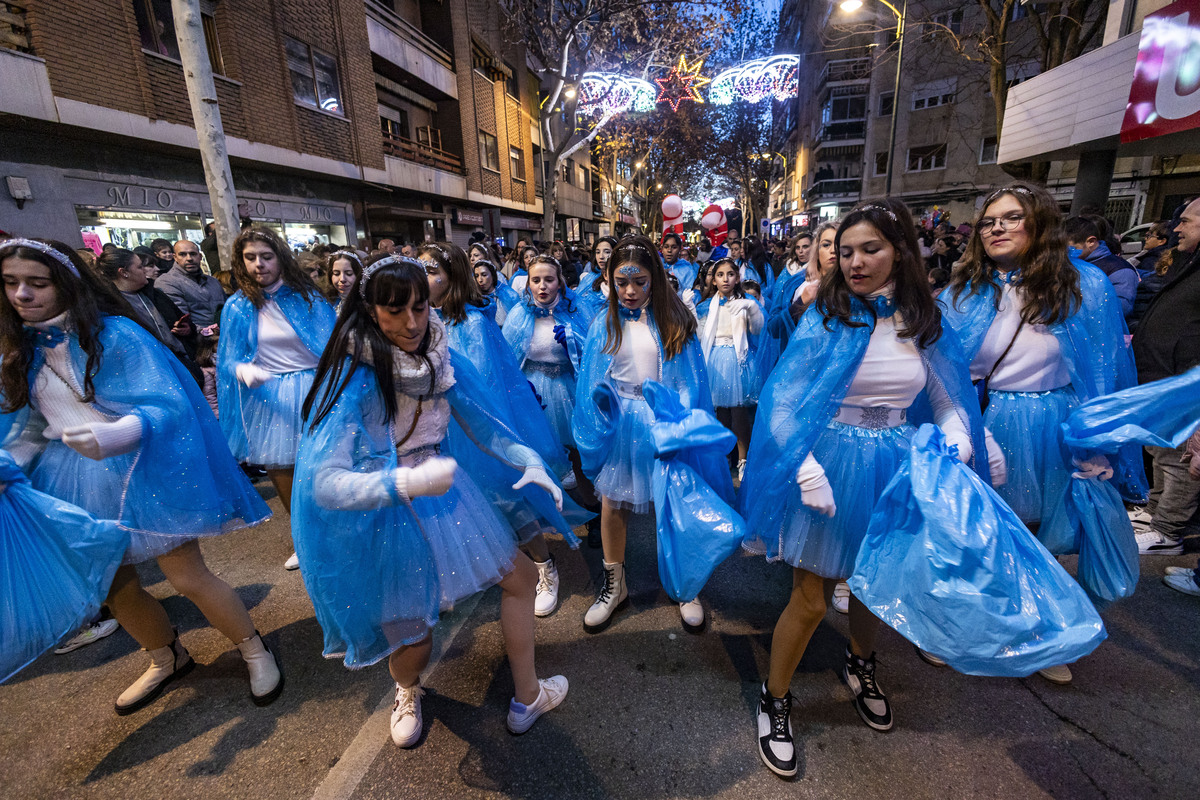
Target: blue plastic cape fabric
1158, 414
1093, 345
313, 322
56, 565
593, 423
697, 528
803, 394
684, 271
1109, 565
592, 301
948, 565
184, 483
518, 327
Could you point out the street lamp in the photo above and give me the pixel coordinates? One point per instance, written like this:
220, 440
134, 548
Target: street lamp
850, 6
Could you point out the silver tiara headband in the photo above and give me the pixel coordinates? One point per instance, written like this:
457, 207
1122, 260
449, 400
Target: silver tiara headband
383, 262
340, 254
45, 249
1003, 189
888, 211
550, 258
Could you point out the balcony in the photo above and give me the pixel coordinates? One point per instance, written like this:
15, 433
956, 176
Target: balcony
422, 153
845, 72
14, 32
838, 188
845, 133
397, 41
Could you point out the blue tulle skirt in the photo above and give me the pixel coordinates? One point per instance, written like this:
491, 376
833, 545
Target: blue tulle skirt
626, 479
859, 463
558, 398
98, 487
732, 384
271, 414
1026, 427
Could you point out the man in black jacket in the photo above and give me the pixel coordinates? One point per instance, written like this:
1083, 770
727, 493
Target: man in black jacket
1167, 342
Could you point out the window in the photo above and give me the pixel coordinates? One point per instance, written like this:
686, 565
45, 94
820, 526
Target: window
1020, 72
156, 27
934, 93
512, 83
881, 160
583, 177
923, 159
567, 173
988, 149
489, 152
539, 179
843, 109
947, 20
314, 76
394, 122
516, 163
886, 102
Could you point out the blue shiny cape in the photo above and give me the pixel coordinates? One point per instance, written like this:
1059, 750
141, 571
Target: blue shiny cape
950, 567
56, 566
596, 409
803, 394
1158, 414
184, 480
696, 525
312, 320
504, 295
518, 327
1093, 345
593, 303
685, 271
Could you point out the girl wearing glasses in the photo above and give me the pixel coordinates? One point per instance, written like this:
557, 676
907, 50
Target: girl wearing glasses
1044, 332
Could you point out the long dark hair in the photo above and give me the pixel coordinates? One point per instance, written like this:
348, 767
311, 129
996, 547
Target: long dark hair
1048, 278
87, 298
919, 313
491, 268
463, 290
290, 271
738, 289
392, 284
612, 242
676, 325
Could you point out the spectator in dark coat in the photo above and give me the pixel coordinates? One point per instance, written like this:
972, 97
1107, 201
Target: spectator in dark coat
1087, 233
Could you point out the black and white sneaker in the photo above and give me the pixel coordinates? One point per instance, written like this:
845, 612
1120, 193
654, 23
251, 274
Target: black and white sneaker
869, 700
775, 745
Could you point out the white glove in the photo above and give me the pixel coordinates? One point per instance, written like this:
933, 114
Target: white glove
815, 491
430, 479
960, 439
997, 464
539, 478
739, 305
100, 440
252, 375
1095, 467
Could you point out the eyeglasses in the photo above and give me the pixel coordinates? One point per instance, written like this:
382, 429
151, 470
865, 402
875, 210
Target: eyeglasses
1008, 222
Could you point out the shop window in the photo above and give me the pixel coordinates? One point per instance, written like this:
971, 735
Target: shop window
517, 163
314, 76
934, 93
929, 157
156, 28
881, 160
988, 149
886, 102
489, 152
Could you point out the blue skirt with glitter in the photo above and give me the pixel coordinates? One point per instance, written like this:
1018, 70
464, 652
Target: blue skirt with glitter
1026, 427
626, 479
556, 388
859, 463
732, 383
271, 415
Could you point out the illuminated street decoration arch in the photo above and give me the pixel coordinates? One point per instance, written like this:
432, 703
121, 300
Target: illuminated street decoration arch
776, 77
683, 82
611, 94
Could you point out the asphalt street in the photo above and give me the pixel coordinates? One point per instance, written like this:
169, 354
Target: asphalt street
652, 713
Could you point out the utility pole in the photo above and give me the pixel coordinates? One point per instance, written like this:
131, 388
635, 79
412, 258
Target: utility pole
206, 115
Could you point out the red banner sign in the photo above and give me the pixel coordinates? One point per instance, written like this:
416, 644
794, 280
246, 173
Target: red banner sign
1165, 94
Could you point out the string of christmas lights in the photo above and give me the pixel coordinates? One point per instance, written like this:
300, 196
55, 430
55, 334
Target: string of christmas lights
776, 77
610, 93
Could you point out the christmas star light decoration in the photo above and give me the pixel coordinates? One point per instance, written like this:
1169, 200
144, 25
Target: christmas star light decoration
683, 82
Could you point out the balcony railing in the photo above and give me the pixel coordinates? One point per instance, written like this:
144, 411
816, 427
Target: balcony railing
14, 32
421, 153
838, 187
845, 69
406, 30
842, 131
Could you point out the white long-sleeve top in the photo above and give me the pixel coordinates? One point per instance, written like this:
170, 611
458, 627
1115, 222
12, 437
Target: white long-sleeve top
637, 360
542, 346
1035, 363
280, 349
892, 373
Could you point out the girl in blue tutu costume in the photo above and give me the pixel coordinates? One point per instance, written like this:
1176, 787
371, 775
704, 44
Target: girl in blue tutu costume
832, 429
455, 296
593, 284
646, 333
101, 415
729, 326
272, 334
389, 527
1044, 333
499, 295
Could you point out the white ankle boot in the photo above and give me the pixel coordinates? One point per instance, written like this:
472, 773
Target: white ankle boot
166, 664
266, 681
692, 614
547, 589
613, 594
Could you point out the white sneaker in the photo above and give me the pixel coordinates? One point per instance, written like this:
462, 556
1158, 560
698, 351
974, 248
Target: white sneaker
1060, 674
292, 563
1183, 583
88, 635
1167, 571
406, 715
1139, 515
1153, 543
521, 717
547, 589
692, 615
929, 658
741, 469
841, 597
